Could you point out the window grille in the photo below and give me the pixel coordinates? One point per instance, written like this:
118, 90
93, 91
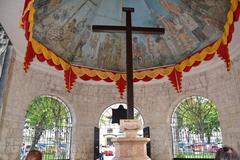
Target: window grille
196, 130
54, 142
4, 41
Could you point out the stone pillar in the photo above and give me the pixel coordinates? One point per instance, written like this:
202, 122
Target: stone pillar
130, 147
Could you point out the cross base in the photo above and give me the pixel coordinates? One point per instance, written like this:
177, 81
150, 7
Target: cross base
130, 147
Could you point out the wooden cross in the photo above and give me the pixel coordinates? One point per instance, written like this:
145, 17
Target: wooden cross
128, 29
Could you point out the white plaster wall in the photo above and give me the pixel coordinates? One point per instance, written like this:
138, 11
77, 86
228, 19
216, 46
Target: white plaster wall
87, 101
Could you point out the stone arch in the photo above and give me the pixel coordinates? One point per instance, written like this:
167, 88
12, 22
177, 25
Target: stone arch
195, 143
56, 137
109, 130
179, 99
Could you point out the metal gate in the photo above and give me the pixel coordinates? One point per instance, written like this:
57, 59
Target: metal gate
54, 141
146, 134
96, 143
48, 144
196, 132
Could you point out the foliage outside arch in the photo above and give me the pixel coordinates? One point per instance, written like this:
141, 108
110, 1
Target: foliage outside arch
48, 121
196, 127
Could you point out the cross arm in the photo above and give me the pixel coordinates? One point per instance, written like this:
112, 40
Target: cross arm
108, 28
143, 30
148, 30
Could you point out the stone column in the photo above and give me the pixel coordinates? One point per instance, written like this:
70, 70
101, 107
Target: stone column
130, 147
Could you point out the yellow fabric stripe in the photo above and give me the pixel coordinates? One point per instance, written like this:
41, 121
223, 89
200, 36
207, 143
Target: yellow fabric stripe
152, 73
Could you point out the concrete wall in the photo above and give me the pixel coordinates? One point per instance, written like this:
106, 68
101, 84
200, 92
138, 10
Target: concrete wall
156, 103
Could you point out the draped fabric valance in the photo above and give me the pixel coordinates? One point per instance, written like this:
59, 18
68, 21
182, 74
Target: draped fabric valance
68, 43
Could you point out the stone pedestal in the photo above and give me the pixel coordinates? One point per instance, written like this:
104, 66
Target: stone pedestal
130, 147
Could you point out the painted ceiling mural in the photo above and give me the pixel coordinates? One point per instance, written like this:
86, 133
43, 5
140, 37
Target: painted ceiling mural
64, 26
59, 33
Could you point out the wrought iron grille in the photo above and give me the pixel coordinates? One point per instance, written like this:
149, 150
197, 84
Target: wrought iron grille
51, 149
4, 42
195, 142
54, 143
5, 63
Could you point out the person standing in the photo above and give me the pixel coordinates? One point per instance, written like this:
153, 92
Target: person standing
34, 155
227, 153
23, 152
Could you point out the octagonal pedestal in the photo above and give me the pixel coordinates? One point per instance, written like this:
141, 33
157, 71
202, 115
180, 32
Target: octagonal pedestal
130, 147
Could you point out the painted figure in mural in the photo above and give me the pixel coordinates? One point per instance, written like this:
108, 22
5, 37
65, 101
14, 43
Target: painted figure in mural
105, 50
151, 52
84, 34
113, 60
161, 51
138, 49
65, 28
90, 50
135, 50
115, 57
68, 37
150, 44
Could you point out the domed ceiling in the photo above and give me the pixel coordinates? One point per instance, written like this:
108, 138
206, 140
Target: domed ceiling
64, 27
60, 33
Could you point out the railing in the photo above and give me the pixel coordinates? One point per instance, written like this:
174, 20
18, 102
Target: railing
52, 148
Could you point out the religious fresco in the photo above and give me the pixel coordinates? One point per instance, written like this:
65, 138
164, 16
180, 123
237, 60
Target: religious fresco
64, 27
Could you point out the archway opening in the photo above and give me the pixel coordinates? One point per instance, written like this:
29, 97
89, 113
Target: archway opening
48, 128
109, 130
196, 129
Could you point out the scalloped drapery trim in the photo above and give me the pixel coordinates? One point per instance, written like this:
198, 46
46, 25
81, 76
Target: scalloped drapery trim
174, 72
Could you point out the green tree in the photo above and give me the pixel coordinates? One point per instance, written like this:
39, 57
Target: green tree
137, 115
45, 113
104, 120
199, 116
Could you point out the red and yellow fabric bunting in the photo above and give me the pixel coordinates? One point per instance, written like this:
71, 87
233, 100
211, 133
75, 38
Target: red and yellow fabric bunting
174, 73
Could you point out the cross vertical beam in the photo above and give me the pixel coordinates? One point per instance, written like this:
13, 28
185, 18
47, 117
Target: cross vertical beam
129, 63
129, 60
